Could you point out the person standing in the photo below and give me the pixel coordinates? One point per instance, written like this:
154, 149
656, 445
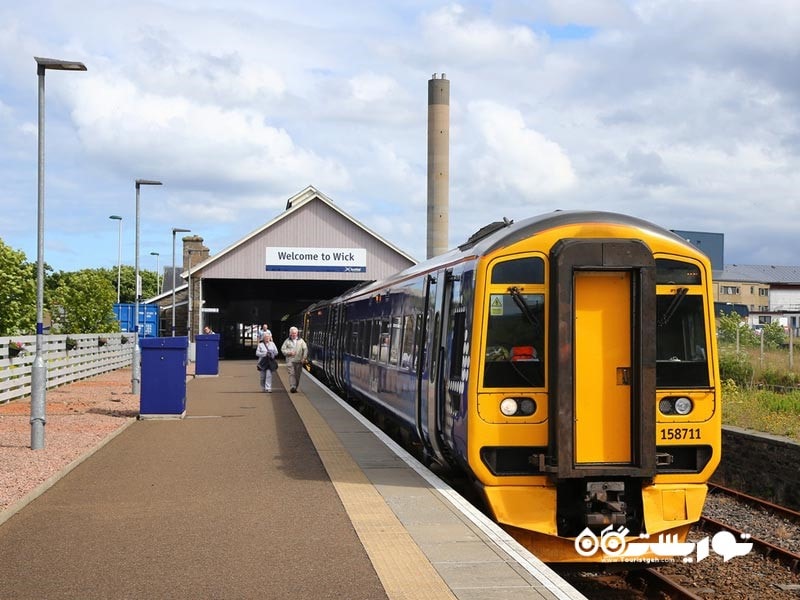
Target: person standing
296, 352
266, 349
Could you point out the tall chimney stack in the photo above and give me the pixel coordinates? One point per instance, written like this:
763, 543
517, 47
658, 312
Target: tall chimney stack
438, 164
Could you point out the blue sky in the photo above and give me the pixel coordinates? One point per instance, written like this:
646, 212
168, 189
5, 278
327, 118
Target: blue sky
684, 113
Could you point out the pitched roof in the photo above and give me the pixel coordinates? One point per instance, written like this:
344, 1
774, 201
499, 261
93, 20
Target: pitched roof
293, 204
760, 274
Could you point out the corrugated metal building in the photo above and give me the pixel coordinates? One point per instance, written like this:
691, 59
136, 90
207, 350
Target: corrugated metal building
311, 251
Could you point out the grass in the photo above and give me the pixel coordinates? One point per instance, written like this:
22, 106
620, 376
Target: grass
760, 391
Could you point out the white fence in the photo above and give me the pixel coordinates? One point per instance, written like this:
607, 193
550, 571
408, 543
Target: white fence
85, 355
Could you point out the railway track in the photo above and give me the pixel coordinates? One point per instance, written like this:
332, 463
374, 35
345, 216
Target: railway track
784, 556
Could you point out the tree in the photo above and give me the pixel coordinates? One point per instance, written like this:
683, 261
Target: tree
774, 335
732, 322
17, 292
82, 303
127, 288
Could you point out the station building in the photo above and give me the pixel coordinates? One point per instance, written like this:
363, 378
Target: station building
311, 251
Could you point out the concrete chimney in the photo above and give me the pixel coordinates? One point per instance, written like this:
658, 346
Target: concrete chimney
438, 164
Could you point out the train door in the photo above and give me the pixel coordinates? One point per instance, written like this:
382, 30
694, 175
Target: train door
602, 393
431, 376
602, 326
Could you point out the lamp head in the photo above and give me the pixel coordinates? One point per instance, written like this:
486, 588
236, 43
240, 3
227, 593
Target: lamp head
115, 217
147, 182
57, 65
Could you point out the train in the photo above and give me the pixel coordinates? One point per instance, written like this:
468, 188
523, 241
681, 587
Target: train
566, 363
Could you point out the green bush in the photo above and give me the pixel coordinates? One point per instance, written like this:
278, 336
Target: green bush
780, 403
779, 378
736, 367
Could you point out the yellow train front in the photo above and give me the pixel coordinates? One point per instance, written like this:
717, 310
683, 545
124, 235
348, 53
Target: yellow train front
567, 362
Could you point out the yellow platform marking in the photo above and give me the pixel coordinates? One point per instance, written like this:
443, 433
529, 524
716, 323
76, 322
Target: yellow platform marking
404, 571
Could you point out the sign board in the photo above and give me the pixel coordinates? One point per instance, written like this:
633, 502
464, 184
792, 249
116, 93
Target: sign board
211, 310
343, 260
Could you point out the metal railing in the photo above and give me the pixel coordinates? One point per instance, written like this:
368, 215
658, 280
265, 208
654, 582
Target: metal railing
68, 358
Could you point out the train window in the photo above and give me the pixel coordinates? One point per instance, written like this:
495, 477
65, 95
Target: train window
675, 272
515, 341
415, 355
520, 270
408, 342
681, 357
396, 338
383, 353
457, 326
375, 339
365, 340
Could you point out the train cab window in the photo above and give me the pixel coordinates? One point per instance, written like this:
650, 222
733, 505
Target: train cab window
515, 340
520, 270
681, 357
675, 272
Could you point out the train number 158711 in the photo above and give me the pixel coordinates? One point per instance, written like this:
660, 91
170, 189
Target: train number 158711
680, 433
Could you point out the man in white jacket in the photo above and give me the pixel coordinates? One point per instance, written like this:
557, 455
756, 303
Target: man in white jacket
296, 352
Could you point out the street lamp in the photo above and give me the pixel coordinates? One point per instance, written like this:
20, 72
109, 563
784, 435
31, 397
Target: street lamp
158, 286
38, 368
136, 367
119, 251
174, 231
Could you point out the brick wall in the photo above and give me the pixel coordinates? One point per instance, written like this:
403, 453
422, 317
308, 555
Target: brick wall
762, 465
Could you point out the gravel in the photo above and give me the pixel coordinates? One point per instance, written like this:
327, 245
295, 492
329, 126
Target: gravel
80, 416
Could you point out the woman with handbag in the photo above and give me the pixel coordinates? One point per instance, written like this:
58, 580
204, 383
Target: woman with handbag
266, 353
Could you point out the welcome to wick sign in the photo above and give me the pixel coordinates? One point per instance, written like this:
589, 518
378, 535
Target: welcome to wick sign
344, 260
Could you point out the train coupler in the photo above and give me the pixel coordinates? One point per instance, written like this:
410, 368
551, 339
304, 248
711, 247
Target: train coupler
605, 502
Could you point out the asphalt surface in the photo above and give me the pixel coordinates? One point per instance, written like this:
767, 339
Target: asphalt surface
230, 502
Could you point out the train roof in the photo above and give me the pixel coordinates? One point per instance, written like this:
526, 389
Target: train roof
506, 232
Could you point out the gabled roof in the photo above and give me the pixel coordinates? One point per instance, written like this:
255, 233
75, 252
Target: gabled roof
760, 274
293, 204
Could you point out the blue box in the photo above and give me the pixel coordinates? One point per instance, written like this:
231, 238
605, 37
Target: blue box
163, 386
206, 354
148, 318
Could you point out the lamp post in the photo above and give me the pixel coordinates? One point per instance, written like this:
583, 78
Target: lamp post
38, 368
136, 367
174, 231
158, 285
119, 252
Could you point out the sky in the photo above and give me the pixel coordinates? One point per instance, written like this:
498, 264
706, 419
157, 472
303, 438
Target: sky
684, 113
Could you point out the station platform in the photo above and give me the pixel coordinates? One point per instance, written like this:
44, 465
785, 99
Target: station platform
257, 495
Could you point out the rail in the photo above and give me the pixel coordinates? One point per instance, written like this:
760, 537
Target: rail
67, 357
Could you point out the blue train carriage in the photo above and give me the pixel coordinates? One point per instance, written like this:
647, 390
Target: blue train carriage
567, 362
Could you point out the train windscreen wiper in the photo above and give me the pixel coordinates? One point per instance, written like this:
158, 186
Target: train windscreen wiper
680, 294
519, 300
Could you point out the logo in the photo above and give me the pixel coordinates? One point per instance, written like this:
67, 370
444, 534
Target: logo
614, 544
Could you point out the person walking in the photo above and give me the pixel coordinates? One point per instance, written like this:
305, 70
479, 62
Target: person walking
266, 352
296, 352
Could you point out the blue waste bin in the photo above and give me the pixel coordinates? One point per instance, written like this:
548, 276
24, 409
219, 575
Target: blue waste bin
163, 387
206, 354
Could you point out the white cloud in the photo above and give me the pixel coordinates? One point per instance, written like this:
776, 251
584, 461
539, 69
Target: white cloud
517, 157
131, 128
461, 36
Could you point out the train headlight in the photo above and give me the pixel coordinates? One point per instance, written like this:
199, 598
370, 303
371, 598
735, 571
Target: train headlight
680, 405
509, 407
518, 407
683, 406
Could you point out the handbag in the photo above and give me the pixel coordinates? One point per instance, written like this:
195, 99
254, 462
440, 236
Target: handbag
262, 363
272, 364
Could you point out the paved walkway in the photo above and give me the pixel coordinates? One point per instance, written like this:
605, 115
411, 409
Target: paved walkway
252, 495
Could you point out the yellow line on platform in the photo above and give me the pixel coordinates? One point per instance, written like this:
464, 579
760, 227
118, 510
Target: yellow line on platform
404, 571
